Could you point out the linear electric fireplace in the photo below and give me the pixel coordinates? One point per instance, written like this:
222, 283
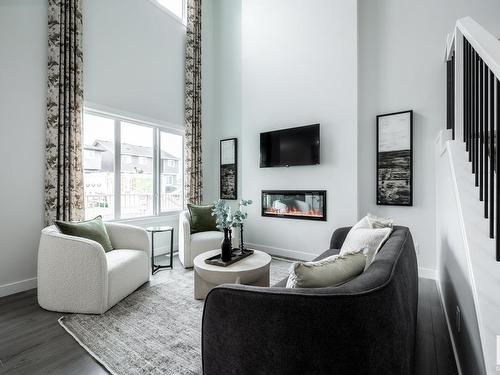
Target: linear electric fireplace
295, 204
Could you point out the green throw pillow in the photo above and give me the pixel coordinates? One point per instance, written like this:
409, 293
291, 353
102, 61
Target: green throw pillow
92, 229
201, 218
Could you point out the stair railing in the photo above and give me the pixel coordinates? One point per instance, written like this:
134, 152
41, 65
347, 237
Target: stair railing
476, 61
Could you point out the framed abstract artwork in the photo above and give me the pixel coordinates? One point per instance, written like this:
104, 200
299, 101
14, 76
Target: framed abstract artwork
229, 169
395, 159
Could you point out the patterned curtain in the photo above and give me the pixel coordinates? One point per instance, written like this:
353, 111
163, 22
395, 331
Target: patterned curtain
63, 151
192, 142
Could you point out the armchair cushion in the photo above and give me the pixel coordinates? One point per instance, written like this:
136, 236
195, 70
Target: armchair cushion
127, 269
91, 229
204, 241
201, 218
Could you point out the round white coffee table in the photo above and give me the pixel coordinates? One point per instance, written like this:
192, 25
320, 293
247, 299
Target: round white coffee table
253, 270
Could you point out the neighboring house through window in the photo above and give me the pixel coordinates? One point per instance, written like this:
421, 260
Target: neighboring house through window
141, 146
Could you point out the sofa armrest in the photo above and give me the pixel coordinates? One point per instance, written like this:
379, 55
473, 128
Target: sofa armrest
72, 274
125, 236
338, 237
185, 239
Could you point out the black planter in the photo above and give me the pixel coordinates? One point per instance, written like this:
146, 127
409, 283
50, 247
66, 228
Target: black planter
226, 246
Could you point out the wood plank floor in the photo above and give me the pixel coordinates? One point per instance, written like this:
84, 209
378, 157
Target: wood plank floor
33, 342
434, 353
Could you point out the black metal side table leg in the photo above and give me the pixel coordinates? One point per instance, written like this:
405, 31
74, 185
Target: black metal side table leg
153, 230
152, 253
172, 248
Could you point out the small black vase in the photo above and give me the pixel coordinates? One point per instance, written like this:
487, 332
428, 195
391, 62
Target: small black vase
226, 247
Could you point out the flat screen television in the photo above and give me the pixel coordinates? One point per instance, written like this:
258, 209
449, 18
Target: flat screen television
289, 147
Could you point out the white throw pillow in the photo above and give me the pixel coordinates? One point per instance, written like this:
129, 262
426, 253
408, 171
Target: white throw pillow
362, 236
379, 222
331, 271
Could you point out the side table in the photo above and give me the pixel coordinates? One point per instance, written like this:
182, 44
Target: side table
160, 229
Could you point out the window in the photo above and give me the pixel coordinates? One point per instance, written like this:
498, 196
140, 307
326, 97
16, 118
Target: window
98, 177
175, 7
126, 159
137, 180
134, 183
89, 154
171, 179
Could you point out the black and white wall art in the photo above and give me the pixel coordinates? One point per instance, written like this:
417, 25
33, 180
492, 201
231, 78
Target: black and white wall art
395, 159
229, 169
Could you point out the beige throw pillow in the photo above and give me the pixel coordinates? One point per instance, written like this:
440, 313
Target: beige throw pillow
363, 236
332, 271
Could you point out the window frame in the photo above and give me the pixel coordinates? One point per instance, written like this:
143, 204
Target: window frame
182, 20
157, 129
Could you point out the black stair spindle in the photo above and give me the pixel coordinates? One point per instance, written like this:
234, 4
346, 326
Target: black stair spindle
497, 157
470, 96
476, 128
481, 134
473, 117
492, 156
486, 138
466, 94
452, 109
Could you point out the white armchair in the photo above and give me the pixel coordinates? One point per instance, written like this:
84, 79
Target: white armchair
191, 245
76, 275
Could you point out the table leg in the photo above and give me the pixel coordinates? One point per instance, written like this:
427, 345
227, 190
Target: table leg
152, 253
172, 248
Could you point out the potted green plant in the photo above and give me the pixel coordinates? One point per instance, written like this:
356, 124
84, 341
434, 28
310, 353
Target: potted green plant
225, 220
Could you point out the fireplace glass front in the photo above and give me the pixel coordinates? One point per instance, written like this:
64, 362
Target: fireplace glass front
296, 204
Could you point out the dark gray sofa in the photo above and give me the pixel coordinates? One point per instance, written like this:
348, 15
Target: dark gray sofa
366, 326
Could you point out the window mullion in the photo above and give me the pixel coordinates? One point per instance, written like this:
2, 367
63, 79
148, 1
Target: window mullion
117, 177
156, 171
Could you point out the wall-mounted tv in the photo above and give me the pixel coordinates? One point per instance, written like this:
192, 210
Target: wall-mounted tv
289, 147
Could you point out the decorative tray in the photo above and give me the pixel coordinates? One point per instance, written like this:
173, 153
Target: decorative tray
236, 256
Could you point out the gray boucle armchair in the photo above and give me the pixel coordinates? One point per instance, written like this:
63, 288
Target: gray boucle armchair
366, 326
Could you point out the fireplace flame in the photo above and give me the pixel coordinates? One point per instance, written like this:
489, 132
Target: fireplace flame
292, 212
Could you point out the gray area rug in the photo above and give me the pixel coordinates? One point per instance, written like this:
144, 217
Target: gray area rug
155, 330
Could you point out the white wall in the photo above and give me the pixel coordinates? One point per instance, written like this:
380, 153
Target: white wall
299, 67
455, 279
134, 58
134, 64
221, 91
23, 62
401, 66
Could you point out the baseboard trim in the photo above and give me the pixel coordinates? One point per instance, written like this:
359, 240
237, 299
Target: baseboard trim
448, 324
280, 252
427, 273
17, 287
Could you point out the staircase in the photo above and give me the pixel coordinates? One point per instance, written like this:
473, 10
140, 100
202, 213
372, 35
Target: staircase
468, 205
